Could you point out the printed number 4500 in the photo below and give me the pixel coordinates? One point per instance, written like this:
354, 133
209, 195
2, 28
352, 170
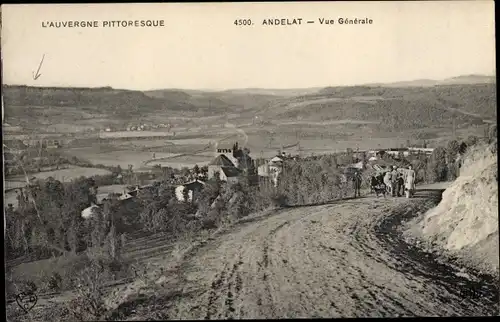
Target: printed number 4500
243, 22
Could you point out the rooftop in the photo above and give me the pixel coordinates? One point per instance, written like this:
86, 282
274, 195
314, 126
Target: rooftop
193, 183
222, 161
276, 159
231, 171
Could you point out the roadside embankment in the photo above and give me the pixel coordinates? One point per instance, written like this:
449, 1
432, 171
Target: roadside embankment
465, 223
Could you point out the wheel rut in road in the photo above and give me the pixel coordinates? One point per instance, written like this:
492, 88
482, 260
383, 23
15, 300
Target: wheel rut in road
415, 262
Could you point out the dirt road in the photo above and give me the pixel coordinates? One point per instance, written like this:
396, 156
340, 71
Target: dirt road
344, 259
338, 260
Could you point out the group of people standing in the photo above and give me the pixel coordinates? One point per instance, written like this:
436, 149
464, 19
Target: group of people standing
394, 182
398, 183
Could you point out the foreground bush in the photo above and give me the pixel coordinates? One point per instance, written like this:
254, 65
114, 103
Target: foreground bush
309, 182
89, 302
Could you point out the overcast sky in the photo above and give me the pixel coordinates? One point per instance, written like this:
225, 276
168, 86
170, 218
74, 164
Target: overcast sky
201, 48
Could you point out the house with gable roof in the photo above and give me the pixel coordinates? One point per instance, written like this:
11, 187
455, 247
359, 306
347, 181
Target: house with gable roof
225, 168
226, 149
271, 169
193, 189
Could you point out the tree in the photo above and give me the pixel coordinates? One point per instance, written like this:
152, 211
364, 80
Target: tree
185, 194
471, 140
436, 167
185, 172
98, 231
239, 200
73, 236
452, 149
420, 166
492, 133
335, 164
452, 171
218, 178
463, 148
271, 140
210, 192
245, 161
113, 242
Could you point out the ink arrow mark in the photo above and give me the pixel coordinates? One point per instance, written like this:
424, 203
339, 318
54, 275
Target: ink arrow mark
37, 75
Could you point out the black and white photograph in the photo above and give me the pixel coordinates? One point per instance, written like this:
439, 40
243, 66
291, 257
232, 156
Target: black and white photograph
253, 160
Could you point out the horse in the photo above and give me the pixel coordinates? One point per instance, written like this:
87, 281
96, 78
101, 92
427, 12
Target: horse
377, 185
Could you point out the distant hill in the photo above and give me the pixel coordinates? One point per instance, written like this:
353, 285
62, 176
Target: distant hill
392, 107
273, 92
31, 106
470, 79
106, 100
464, 79
172, 94
36, 106
219, 101
465, 99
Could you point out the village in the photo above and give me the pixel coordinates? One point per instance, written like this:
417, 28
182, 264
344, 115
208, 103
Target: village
231, 164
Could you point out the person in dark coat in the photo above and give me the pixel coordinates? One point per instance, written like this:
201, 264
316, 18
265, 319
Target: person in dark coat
400, 185
373, 183
356, 179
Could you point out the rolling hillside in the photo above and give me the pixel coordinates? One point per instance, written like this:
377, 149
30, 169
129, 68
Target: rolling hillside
273, 92
105, 100
464, 79
395, 108
221, 101
27, 106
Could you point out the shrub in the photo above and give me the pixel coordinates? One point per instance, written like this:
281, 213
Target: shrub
436, 167
471, 140
29, 286
312, 181
492, 133
278, 200
55, 282
89, 302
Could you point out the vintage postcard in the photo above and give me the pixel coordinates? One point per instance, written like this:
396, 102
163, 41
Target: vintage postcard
249, 160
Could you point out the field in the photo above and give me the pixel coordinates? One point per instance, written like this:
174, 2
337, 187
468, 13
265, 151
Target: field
293, 137
63, 175
132, 134
104, 191
114, 158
